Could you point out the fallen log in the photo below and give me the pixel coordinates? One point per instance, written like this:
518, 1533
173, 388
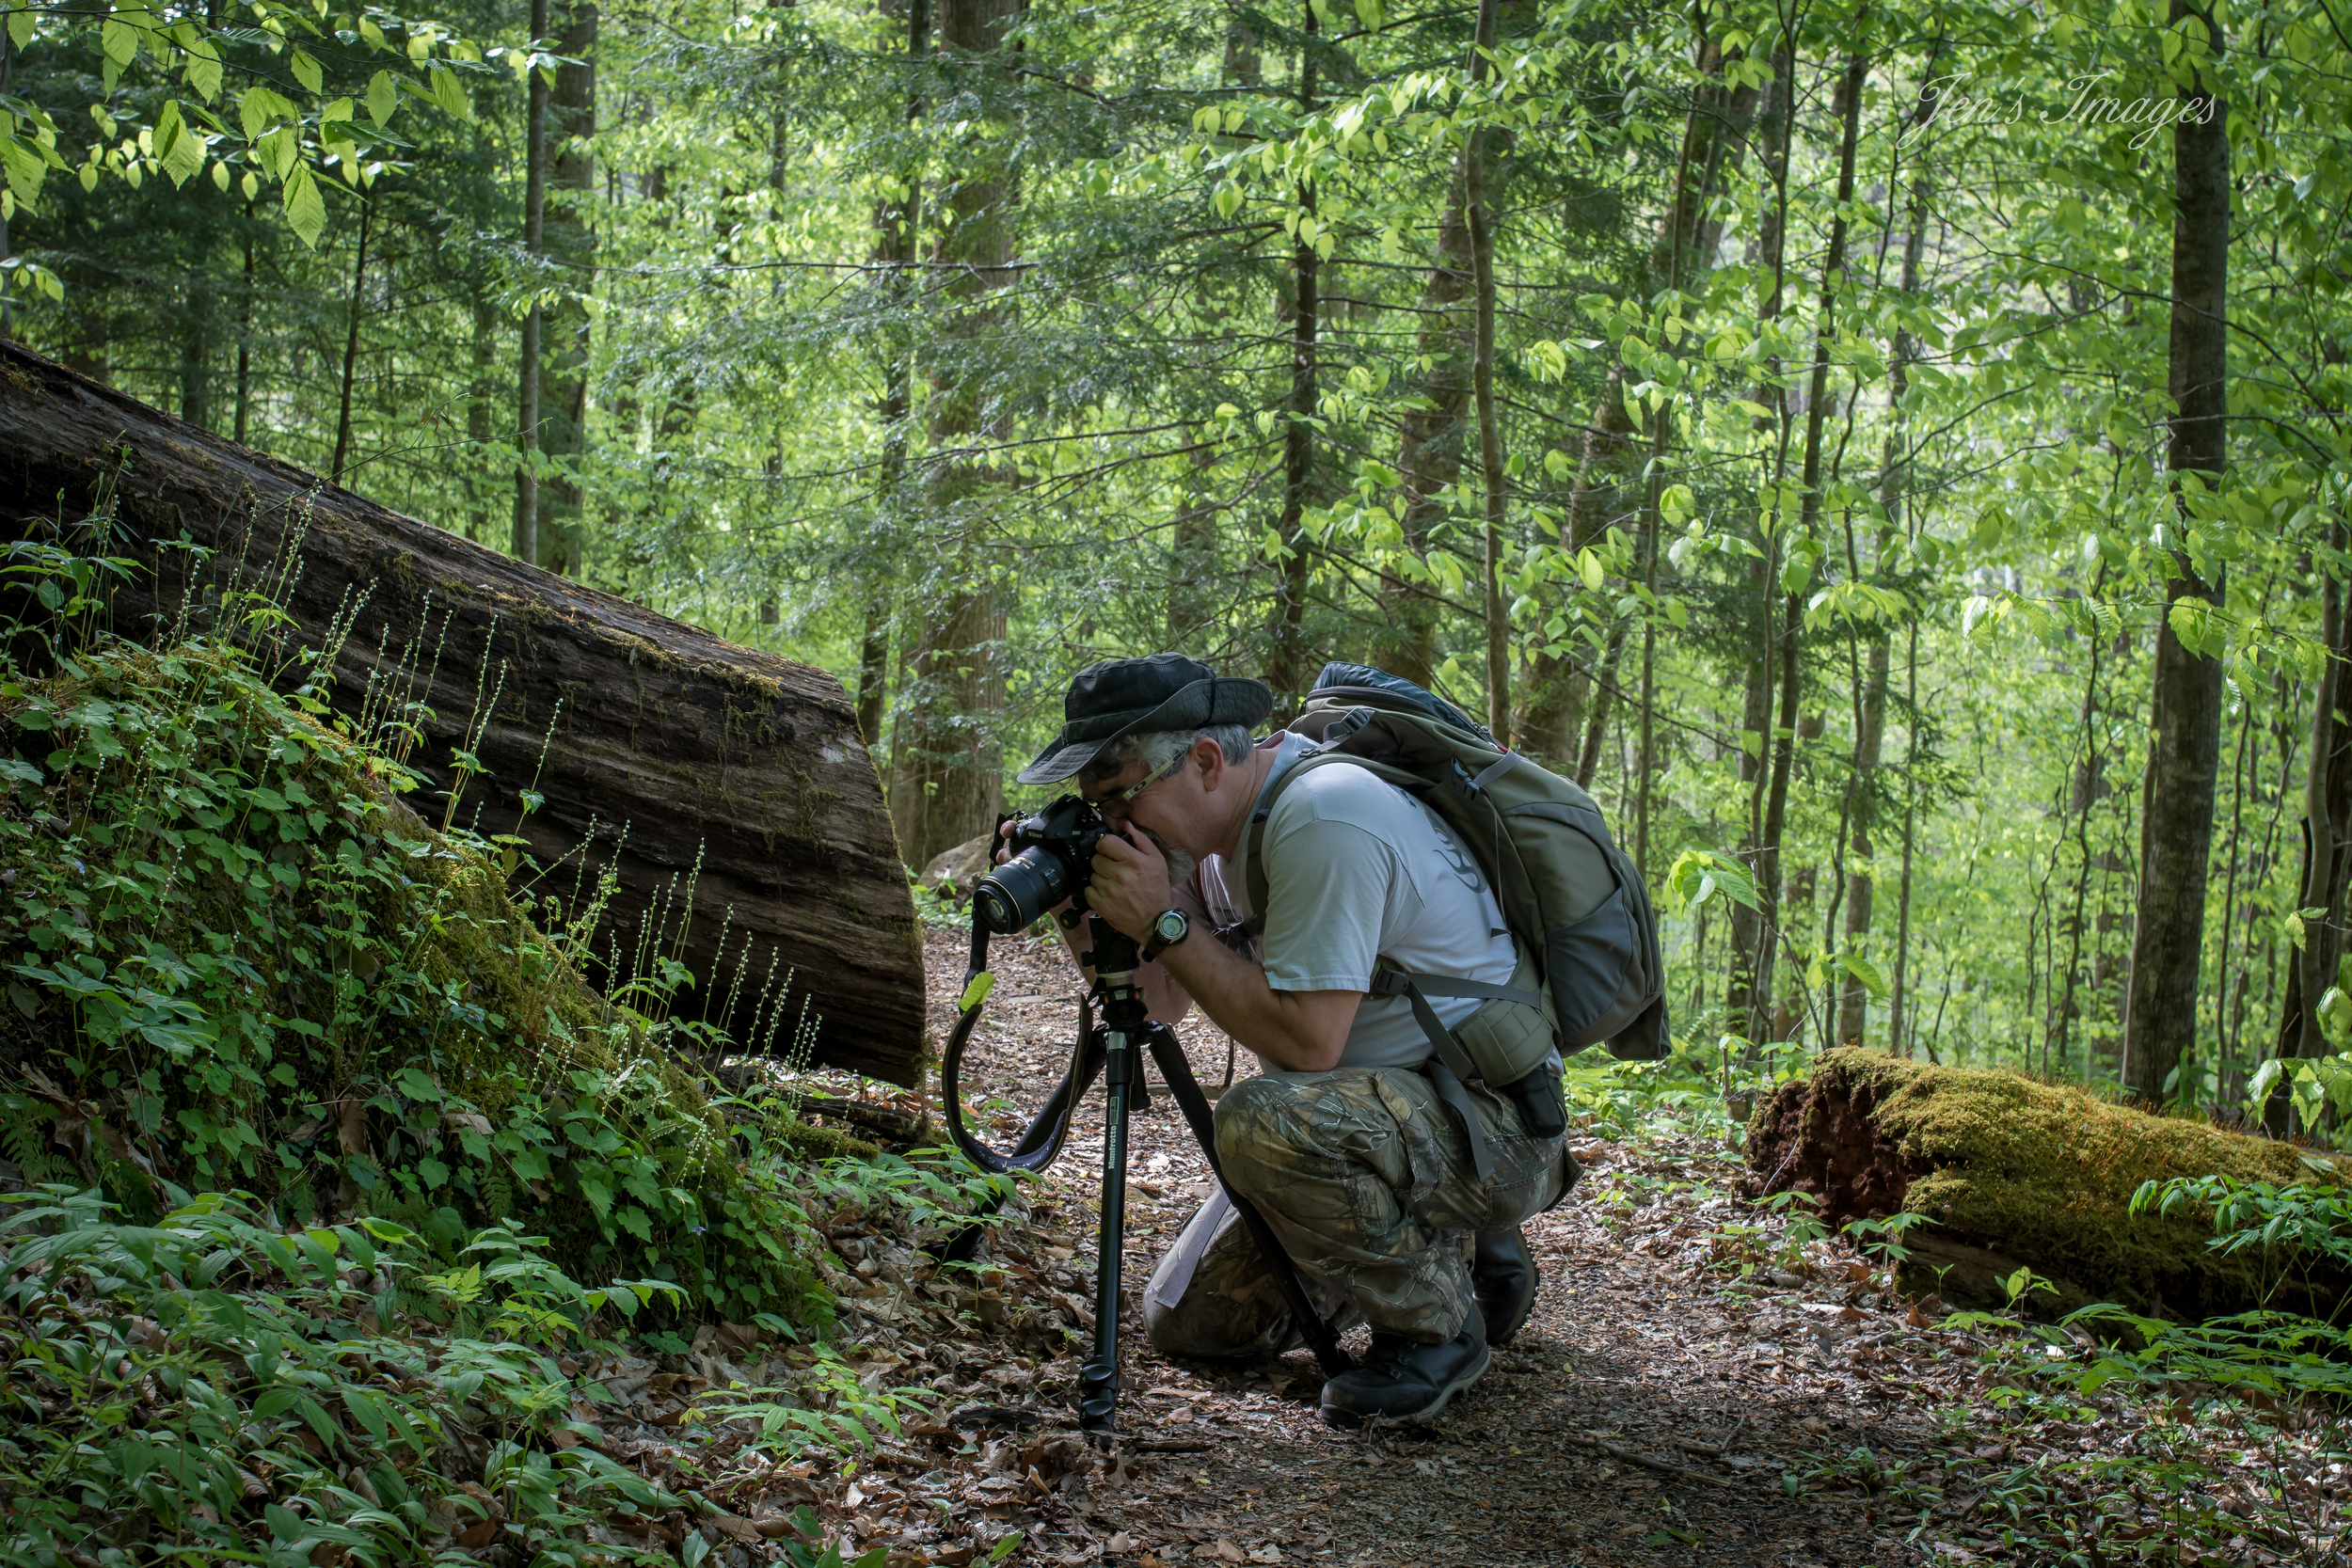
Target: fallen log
725, 788
2014, 1172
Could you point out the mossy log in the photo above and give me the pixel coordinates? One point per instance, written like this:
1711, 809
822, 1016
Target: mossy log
2012, 1172
675, 758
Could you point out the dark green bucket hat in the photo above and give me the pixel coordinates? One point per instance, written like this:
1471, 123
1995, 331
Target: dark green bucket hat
1128, 696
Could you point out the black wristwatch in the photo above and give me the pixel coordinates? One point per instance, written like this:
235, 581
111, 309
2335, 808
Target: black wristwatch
1168, 927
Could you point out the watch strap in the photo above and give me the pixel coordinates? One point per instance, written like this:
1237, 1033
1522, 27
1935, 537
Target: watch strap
1158, 945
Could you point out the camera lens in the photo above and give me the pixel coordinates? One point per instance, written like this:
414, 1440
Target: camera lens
1024, 887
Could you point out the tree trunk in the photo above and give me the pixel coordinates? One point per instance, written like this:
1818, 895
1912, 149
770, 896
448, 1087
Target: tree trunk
196, 357
1853, 1001
1846, 107
479, 414
1480, 219
350, 345
2326, 838
1429, 443
245, 335
1714, 145
738, 769
946, 779
535, 223
898, 223
2184, 717
1286, 672
571, 245
1894, 496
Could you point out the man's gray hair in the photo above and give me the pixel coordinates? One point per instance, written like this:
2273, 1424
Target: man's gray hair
1156, 749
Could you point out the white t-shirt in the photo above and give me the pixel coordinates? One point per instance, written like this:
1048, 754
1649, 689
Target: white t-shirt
1358, 870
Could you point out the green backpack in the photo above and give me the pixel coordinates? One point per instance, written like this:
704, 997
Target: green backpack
1590, 969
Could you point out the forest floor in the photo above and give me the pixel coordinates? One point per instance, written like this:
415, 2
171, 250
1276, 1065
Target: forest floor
1665, 1403
1648, 1413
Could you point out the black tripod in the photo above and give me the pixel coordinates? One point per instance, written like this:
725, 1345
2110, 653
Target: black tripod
1109, 1050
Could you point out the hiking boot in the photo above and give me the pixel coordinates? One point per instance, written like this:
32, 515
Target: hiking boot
1504, 1277
1403, 1380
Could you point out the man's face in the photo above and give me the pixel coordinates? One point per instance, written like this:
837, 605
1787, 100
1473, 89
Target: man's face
1169, 809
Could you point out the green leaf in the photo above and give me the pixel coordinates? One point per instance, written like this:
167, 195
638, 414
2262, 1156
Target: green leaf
306, 209
204, 70
448, 92
21, 27
306, 71
275, 1403
120, 42
259, 108
179, 150
1864, 971
383, 97
364, 1409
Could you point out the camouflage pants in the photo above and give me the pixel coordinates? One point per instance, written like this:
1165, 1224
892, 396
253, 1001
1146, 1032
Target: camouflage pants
1369, 1182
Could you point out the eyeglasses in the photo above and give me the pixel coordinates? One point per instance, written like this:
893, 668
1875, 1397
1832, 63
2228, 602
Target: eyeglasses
1124, 796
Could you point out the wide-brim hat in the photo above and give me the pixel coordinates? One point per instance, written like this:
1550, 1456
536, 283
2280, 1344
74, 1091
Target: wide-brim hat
1139, 696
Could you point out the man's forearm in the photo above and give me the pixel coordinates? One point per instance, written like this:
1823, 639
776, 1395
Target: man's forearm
1290, 1030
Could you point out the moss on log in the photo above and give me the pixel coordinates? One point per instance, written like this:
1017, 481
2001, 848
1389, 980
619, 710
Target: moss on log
2012, 1171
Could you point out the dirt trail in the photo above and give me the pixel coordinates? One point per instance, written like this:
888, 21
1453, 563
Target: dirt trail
1647, 1414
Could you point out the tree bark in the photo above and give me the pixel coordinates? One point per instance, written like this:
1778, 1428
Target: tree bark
1429, 444
1846, 107
946, 779
1854, 1000
738, 768
534, 224
2184, 717
2326, 838
898, 223
1748, 993
1287, 670
1894, 496
350, 345
479, 414
245, 336
571, 245
1480, 220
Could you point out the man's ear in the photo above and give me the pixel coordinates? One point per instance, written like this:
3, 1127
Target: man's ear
1211, 760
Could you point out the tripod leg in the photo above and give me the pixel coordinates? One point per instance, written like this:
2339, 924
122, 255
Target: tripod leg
1177, 1073
1098, 1386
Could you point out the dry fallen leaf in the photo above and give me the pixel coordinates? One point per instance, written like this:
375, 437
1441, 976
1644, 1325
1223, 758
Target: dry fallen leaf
1120, 1541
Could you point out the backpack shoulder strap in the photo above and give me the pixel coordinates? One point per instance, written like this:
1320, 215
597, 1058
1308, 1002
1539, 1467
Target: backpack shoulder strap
1253, 837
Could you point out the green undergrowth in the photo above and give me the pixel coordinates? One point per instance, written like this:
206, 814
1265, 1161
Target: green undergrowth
209, 1387
236, 959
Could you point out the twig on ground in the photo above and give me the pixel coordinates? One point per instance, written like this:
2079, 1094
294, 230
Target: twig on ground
1662, 1467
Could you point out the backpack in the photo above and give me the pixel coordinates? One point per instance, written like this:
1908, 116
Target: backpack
1590, 969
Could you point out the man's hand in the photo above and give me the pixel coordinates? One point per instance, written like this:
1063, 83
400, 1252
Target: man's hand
1130, 885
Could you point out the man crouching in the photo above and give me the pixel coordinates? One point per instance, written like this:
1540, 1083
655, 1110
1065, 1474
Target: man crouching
1365, 1174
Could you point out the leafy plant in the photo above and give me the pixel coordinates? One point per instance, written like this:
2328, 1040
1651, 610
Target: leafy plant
244, 962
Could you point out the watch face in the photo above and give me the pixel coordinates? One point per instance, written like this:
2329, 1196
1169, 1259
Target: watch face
1169, 925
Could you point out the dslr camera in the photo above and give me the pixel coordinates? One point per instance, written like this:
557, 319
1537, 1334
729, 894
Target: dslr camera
1052, 856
